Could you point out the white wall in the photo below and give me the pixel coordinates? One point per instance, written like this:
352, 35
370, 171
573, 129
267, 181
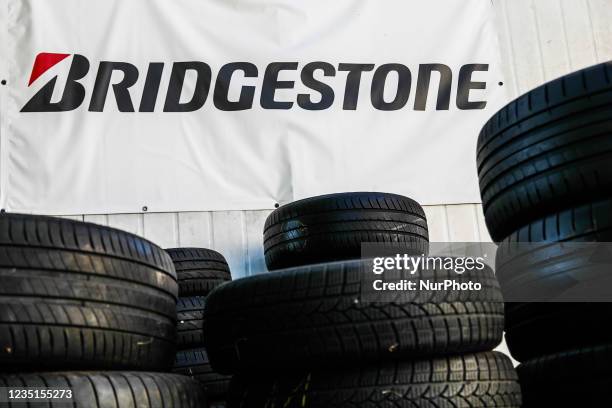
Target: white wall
539, 41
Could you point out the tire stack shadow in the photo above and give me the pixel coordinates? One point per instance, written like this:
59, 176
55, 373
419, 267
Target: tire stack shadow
304, 336
546, 185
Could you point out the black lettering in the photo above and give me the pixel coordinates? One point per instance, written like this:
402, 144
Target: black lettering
271, 84
177, 78
353, 81
122, 95
444, 87
151, 87
304, 101
247, 93
378, 87
466, 85
73, 95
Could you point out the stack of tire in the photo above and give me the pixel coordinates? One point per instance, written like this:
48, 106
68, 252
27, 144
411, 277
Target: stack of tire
198, 271
89, 310
302, 336
544, 164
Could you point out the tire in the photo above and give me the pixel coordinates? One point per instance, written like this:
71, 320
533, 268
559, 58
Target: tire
194, 363
474, 380
591, 222
316, 316
333, 227
76, 295
190, 324
535, 329
199, 270
539, 329
111, 389
547, 150
578, 378
536, 251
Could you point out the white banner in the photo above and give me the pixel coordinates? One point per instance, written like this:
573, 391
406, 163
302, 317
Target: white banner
113, 106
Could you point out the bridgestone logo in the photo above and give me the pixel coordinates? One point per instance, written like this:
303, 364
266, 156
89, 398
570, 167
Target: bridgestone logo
216, 86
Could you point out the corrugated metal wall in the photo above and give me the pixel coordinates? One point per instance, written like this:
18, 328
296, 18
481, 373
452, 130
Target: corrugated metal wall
539, 40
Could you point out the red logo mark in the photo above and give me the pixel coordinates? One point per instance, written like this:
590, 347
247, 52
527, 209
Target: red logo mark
43, 62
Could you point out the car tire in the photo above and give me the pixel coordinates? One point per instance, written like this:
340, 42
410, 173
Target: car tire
190, 314
576, 378
538, 261
199, 270
333, 227
194, 363
474, 380
321, 315
548, 150
77, 295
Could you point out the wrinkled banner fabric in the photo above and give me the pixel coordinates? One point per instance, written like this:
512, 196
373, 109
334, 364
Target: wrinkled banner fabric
111, 106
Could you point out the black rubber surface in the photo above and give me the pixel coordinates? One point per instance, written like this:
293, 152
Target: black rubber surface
76, 295
332, 227
578, 378
194, 363
473, 380
111, 389
199, 270
548, 150
536, 329
189, 325
316, 316
550, 248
